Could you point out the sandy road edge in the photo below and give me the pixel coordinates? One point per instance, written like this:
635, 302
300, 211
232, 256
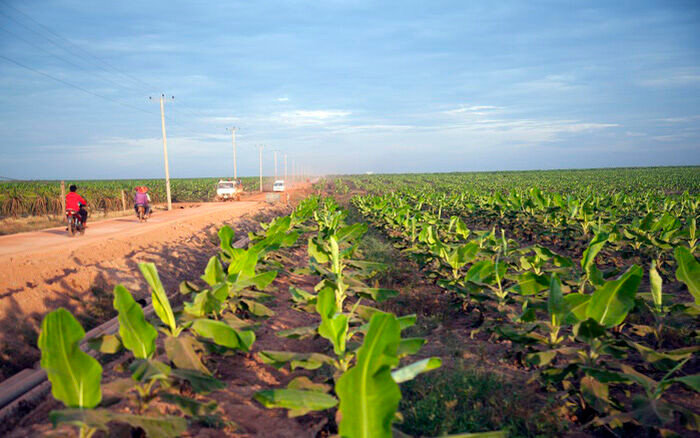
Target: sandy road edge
82, 279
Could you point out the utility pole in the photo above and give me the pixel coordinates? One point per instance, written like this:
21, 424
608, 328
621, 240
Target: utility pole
275, 153
285, 169
165, 150
233, 140
260, 148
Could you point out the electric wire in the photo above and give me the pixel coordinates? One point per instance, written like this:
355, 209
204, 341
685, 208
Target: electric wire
78, 48
147, 86
78, 87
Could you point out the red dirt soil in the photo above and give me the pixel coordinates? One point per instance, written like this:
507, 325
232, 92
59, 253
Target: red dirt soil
40, 271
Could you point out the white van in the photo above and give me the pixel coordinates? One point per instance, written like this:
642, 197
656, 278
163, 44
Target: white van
228, 190
278, 186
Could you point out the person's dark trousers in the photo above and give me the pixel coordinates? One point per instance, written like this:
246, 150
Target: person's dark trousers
83, 215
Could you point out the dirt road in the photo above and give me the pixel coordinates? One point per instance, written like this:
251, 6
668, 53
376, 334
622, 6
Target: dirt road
43, 270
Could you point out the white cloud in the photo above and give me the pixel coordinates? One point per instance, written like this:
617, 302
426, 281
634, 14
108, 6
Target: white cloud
687, 119
474, 109
374, 128
672, 80
283, 99
311, 117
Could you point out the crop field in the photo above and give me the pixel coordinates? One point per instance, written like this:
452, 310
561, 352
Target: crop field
36, 198
543, 303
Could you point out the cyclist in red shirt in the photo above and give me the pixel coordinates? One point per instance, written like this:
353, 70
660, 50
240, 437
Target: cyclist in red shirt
76, 202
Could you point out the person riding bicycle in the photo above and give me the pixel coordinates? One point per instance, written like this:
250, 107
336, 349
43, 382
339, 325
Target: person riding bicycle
141, 198
76, 203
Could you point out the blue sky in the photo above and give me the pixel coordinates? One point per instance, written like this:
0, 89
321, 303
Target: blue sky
347, 86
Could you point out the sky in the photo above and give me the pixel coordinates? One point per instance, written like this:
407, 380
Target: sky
343, 86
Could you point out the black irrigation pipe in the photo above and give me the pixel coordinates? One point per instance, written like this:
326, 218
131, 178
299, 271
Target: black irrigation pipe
30, 386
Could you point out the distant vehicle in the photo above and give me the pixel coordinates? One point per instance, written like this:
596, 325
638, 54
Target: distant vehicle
278, 186
228, 190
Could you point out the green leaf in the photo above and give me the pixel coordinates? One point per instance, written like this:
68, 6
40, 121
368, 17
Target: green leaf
351, 232
334, 326
610, 303
588, 330
214, 272
75, 376
144, 370
376, 293
530, 283
107, 344
369, 396
309, 361
165, 426
664, 360
688, 271
93, 418
137, 334
298, 332
301, 296
201, 383
299, 402
577, 304
541, 358
223, 334
692, 382
408, 346
407, 321
656, 284
204, 303
188, 405
594, 247
556, 305
303, 382
256, 308
182, 352
595, 393
187, 287
317, 252
226, 236
161, 304
409, 372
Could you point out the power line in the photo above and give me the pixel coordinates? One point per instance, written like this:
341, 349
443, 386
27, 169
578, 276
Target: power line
57, 56
78, 87
54, 33
148, 87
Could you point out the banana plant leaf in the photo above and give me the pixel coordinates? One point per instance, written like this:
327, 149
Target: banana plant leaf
369, 396
74, 375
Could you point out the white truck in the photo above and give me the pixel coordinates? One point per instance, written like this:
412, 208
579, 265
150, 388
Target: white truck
278, 186
228, 190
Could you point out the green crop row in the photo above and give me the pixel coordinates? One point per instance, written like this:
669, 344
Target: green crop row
170, 353
597, 288
34, 198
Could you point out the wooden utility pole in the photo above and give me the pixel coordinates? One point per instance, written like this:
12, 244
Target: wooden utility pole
285, 169
63, 197
233, 140
275, 154
165, 150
